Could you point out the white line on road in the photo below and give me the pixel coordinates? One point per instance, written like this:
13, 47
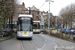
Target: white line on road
34, 45
43, 45
54, 43
37, 47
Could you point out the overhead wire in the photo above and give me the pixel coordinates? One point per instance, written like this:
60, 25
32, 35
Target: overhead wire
42, 5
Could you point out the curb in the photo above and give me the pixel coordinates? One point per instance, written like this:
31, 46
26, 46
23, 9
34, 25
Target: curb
8, 38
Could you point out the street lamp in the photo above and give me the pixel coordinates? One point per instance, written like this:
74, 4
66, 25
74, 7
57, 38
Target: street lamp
49, 15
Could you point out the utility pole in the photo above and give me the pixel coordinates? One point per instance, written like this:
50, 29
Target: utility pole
49, 15
49, 18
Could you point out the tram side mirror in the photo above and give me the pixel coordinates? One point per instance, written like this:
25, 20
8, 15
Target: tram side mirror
17, 23
32, 22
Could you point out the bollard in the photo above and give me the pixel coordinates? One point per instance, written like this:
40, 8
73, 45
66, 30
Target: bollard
52, 31
63, 35
46, 29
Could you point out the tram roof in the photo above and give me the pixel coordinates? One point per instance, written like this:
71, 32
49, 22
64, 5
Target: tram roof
23, 15
36, 21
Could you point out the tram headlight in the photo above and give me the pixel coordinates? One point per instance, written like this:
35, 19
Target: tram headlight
30, 32
33, 29
38, 30
19, 32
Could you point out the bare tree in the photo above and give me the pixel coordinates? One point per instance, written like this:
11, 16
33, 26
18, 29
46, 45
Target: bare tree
67, 14
7, 9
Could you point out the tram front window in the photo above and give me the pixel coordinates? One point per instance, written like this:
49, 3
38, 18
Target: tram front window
24, 25
36, 25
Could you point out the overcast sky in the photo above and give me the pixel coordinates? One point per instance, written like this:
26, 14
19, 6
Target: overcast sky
55, 6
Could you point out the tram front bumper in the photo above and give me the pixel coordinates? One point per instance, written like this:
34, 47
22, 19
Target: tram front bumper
24, 36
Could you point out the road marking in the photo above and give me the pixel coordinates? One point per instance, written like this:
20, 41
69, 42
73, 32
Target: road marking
54, 43
43, 45
37, 47
55, 48
34, 45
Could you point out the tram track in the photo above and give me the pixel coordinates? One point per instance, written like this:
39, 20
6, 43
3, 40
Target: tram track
32, 42
56, 47
22, 45
44, 43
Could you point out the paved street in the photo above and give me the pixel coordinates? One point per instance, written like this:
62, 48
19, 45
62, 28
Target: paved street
39, 42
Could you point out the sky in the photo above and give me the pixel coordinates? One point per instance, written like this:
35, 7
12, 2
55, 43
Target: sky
55, 6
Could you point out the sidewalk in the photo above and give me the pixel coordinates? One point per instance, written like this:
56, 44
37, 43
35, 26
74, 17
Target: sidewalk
57, 35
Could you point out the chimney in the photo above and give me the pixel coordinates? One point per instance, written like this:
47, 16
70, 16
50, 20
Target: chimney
47, 11
43, 11
23, 4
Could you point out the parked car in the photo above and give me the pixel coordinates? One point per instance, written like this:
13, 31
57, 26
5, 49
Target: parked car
67, 31
72, 31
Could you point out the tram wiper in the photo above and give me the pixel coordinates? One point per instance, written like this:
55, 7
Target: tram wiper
28, 29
